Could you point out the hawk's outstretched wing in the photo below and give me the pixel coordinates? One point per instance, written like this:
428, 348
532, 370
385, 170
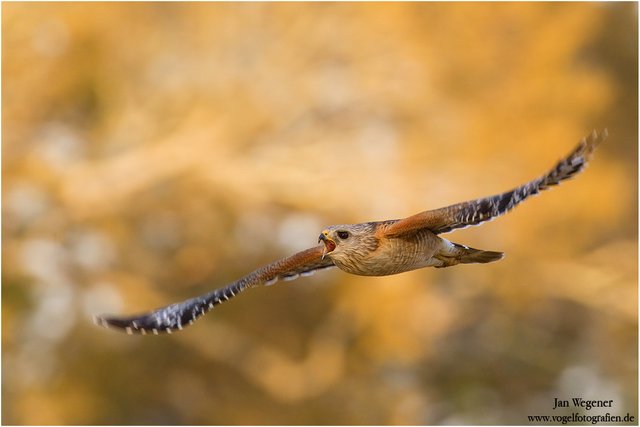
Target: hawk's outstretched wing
477, 211
179, 315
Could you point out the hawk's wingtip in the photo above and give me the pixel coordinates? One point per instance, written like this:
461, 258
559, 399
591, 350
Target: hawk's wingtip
109, 322
100, 321
597, 138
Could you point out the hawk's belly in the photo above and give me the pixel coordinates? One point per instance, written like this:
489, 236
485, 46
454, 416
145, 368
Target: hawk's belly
393, 256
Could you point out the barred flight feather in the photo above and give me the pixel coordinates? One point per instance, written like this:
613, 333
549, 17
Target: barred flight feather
177, 316
465, 214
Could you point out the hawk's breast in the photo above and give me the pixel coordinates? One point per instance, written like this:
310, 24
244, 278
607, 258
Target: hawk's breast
392, 255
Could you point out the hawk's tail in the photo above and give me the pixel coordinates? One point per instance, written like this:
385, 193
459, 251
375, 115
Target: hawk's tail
479, 256
455, 253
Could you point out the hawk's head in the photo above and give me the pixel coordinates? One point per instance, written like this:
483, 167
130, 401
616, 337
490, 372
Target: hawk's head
348, 245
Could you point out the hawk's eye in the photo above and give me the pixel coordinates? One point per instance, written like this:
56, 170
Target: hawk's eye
344, 235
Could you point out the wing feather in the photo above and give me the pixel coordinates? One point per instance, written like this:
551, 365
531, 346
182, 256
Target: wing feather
475, 212
177, 316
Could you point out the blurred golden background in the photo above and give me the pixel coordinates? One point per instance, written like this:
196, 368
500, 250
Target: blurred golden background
152, 152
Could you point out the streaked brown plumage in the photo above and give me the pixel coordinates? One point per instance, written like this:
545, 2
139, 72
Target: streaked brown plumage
372, 248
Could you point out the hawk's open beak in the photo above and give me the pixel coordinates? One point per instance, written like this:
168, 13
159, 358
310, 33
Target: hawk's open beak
329, 245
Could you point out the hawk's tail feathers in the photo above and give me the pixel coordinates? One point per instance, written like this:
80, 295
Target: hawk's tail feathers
455, 253
478, 256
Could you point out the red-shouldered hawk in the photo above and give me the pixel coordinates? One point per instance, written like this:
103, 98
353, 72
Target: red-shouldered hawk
373, 248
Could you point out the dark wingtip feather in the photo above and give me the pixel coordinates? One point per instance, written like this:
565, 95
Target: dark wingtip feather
168, 319
171, 318
110, 322
595, 139
131, 325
